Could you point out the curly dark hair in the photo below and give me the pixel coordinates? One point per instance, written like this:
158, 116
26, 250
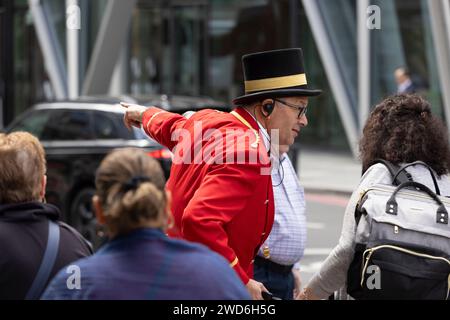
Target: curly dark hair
402, 129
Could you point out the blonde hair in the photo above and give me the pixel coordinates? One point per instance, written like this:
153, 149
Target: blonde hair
22, 167
125, 208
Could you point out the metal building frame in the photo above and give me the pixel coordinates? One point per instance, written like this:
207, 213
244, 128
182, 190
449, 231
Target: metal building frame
332, 69
54, 60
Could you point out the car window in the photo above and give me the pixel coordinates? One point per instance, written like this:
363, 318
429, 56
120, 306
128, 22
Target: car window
32, 122
108, 125
141, 135
68, 125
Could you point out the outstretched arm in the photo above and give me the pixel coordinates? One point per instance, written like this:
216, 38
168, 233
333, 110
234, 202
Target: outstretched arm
159, 124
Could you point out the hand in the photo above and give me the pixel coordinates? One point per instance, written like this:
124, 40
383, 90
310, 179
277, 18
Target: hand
255, 288
133, 115
297, 282
306, 294
300, 296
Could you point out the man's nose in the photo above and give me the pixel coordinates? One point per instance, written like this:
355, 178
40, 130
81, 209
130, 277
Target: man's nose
303, 121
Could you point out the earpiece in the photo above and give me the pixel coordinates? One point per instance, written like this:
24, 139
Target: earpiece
268, 108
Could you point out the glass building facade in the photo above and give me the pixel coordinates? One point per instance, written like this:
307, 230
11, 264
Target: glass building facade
195, 48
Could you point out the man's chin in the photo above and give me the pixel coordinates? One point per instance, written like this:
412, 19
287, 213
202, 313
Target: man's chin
284, 148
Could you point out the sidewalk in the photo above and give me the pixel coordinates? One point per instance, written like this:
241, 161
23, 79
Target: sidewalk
326, 171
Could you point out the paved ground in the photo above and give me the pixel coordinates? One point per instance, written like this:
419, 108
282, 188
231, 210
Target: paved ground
329, 178
324, 171
325, 213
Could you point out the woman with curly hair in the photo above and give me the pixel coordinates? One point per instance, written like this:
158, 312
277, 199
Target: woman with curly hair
401, 130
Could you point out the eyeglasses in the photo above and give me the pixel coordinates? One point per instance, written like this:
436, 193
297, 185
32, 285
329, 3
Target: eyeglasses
301, 109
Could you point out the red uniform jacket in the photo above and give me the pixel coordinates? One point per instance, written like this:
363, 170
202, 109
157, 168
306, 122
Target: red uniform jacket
225, 205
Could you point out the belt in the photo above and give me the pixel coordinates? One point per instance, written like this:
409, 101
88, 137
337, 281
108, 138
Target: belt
273, 266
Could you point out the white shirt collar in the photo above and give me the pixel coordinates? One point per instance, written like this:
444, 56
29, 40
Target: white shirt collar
263, 132
404, 85
266, 137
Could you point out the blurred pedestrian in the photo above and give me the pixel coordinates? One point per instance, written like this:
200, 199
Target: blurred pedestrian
34, 244
404, 81
140, 261
402, 130
227, 204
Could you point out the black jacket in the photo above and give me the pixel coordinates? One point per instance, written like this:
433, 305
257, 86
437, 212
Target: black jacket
23, 239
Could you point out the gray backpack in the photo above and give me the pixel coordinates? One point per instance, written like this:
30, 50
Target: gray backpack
402, 241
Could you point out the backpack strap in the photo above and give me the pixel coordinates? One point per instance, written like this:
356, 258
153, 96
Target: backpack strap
399, 175
433, 177
48, 261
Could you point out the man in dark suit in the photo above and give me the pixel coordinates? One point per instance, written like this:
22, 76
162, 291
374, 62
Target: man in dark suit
404, 82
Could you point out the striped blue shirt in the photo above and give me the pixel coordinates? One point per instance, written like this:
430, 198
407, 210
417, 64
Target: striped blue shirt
287, 240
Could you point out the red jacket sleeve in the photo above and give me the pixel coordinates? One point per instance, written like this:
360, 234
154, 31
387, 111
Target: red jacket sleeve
223, 194
160, 125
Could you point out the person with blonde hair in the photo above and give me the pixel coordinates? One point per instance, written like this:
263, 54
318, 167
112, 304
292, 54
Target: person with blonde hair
34, 245
140, 261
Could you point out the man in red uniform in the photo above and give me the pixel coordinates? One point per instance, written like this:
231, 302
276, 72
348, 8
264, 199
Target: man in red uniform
220, 178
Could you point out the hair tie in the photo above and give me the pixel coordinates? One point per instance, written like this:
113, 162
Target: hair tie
134, 182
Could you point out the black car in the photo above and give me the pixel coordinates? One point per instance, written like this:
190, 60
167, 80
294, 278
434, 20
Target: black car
76, 136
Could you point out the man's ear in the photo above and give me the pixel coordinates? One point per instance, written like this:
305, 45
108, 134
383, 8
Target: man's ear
43, 186
267, 107
98, 209
265, 101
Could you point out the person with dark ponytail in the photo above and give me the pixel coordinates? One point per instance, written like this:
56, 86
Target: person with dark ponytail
140, 261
